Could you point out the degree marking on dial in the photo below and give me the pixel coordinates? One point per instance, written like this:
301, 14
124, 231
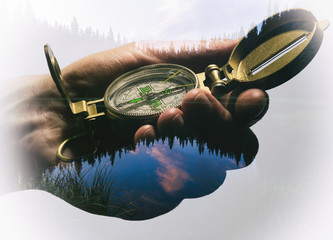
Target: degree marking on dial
155, 103
145, 89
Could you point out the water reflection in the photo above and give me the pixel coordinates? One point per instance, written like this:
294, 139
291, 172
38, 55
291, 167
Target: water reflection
152, 178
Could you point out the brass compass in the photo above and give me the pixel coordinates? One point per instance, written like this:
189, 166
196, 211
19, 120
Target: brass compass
268, 55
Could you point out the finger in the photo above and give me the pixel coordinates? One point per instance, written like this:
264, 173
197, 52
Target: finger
247, 106
171, 122
203, 110
145, 133
251, 106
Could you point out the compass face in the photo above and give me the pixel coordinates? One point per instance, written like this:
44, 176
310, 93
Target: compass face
146, 92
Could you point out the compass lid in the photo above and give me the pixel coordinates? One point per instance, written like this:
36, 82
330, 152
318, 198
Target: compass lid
276, 49
56, 73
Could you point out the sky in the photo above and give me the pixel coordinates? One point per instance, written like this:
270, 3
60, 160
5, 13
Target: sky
158, 20
161, 20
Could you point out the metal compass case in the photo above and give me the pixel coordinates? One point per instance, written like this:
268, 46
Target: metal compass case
270, 54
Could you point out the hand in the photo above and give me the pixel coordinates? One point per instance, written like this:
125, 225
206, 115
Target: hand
202, 113
42, 121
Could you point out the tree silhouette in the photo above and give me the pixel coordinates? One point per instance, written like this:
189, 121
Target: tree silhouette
75, 26
110, 36
72, 41
172, 48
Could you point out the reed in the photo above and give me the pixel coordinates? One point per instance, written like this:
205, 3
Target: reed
92, 191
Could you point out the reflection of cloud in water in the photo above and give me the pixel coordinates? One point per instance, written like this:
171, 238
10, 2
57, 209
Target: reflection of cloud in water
134, 152
171, 177
153, 179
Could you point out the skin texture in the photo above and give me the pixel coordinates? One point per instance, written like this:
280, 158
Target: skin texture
40, 120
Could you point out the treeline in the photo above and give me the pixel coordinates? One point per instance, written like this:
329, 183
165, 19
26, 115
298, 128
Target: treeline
23, 37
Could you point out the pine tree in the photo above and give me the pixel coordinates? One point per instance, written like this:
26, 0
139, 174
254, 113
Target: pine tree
202, 45
110, 36
119, 39
241, 32
75, 26
172, 48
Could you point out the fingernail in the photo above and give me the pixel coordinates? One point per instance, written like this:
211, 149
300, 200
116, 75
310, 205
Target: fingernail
203, 102
261, 113
149, 133
178, 120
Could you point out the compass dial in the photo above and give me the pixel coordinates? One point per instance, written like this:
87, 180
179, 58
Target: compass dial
146, 92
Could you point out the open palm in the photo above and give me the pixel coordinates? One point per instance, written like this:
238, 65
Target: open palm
41, 120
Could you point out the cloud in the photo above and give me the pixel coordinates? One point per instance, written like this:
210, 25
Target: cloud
172, 177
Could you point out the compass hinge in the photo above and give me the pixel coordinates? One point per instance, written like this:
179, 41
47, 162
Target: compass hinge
87, 109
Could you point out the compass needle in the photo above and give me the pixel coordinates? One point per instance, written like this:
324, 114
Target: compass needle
172, 76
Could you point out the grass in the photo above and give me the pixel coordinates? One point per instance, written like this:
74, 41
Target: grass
96, 196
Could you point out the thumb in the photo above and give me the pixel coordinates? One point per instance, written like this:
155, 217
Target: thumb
93, 74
